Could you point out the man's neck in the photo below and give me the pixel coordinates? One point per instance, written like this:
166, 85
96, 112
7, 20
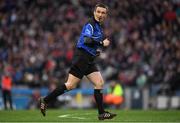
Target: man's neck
97, 21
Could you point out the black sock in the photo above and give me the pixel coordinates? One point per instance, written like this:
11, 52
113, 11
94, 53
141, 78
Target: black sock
58, 91
99, 100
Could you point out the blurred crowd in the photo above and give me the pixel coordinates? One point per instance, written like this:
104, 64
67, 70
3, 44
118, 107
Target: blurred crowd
38, 37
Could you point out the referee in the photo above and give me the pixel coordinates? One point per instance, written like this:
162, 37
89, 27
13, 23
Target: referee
83, 63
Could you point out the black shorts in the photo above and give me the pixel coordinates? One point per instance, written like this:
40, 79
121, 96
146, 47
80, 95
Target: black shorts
83, 63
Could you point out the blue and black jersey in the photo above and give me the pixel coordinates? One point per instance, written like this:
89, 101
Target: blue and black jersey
91, 37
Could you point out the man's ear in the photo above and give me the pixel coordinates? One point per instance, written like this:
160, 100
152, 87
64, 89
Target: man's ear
94, 12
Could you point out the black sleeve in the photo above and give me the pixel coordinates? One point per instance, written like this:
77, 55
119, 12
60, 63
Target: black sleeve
91, 42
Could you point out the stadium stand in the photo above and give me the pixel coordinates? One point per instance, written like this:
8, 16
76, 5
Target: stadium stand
37, 38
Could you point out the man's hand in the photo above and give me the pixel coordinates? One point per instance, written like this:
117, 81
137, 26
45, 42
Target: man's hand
106, 42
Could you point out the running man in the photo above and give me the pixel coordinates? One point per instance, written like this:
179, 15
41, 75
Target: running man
83, 63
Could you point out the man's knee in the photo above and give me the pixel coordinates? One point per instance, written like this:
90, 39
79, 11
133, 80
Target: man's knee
99, 84
70, 86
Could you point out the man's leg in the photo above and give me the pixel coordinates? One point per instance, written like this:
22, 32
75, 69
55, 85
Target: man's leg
5, 99
98, 82
69, 85
10, 100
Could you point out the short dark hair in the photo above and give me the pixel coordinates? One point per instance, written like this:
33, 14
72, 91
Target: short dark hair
101, 5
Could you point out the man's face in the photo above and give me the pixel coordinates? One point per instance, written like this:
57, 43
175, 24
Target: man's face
100, 14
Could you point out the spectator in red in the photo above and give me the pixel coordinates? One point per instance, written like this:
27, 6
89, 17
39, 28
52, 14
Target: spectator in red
6, 85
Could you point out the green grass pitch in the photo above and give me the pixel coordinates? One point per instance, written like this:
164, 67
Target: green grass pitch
86, 115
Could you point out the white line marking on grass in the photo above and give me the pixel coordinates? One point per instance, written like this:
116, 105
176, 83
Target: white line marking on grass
80, 118
87, 113
68, 116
